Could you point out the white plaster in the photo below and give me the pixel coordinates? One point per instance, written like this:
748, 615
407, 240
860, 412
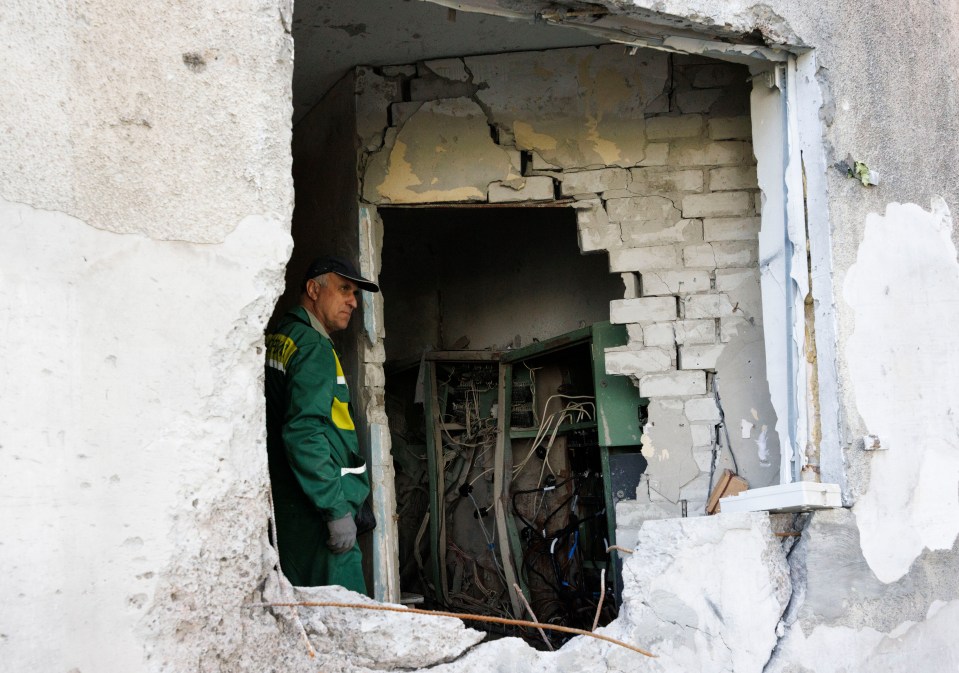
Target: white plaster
131, 409
904, 289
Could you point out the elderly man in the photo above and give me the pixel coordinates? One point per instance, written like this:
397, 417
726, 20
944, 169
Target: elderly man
318, 475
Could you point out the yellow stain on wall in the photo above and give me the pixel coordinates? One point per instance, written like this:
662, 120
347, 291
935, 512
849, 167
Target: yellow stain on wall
400, 178
526, 137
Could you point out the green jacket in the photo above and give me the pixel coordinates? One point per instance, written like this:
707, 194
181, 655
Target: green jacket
310, 431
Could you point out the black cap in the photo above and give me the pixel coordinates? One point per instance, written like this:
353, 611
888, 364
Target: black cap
340, 266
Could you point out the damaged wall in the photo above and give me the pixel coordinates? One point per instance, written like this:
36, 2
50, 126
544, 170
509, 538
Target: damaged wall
653, 152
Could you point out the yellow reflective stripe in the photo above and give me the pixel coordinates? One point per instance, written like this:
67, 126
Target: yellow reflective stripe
279, 349
340, 413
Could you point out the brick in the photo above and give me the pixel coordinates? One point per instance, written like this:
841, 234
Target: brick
644, 259
657, 232
720, 204
699, 256
630, 285
373, 376
699, 306
730, 279
536, 188
673, 384
642, 208
732, 177
594, 228
638, 362
601, 180
657, 334
702, 435
685, 281
635, 332
683, 126
735, 253
643, 309
685, 153
695, 331
375, 353
656, 155
727, 128
700, 356
731, 228
702, 410
655, 180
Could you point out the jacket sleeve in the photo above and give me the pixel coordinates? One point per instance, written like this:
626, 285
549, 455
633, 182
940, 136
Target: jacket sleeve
308, 426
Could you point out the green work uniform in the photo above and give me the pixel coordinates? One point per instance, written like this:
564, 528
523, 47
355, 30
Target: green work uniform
310, 440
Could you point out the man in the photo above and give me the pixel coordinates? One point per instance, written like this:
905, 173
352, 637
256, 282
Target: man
318, 475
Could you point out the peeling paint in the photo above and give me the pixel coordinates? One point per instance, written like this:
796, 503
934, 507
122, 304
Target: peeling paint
904, 291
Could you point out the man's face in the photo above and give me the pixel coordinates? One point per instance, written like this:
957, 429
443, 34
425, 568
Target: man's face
333, 303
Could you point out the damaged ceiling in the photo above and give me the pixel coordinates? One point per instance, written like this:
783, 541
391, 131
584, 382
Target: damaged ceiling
332, 36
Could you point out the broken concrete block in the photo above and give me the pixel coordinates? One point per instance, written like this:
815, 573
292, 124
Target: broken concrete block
398, 70
535, 188
644, 259
601, 180
707, 589
595, 230
612, 194
436, 88
655, 180
630, 285
674, 282
702, 410
731, 228
706, 306
699, 256
695, 331
448, 68
656, 155
373, 95
373, 376
643, 309
643, 208
683, 126
656, 232
540, 164
374, 353
673, 384
728, 128
686, 153
719, 204
638, 362
732, 177
700, 356
735, 253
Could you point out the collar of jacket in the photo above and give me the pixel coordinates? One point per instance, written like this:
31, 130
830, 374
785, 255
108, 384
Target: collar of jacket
307, 316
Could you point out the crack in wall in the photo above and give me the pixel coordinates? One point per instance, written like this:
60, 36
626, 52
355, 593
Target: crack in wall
797, 579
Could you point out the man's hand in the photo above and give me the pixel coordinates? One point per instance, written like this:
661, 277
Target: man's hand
342, 534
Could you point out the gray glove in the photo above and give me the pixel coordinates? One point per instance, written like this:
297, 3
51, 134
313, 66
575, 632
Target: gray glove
342, 534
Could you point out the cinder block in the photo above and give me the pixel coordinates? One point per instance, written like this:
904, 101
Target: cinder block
731, 228
656, 155
536, 188
601, 180
695, 331
673, 384
638, 362
643, 309
719, 204
730, 279
685, 153
702, 410
700, 356
683, 126
375, 353
657, 334
732, 177
642, 208
698, 306
373, 376
703, 455
735, 253
657, 232
630, 285
595, 230
699, 256
644, 259
540, 164
727, 128
664, 282
655, 180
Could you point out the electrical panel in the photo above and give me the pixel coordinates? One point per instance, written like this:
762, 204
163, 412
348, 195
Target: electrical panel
508, 467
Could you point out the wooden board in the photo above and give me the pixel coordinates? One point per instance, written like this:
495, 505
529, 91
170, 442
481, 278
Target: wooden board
729, 483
